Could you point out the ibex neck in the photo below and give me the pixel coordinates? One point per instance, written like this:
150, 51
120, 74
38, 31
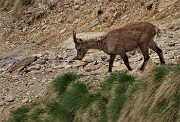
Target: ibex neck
94, 43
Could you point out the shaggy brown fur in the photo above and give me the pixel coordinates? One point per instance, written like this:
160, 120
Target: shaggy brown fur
120, 40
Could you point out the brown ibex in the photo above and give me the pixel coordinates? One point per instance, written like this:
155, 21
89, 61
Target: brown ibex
120, 40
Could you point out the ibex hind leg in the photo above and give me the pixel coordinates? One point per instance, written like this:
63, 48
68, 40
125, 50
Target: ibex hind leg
155, 48
126, 61
145, 51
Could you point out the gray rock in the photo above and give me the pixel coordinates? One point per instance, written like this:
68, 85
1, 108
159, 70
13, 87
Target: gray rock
35, 67
76, 7
57, 67
79, 63
9, 98
92, 68
37, 55
88, 59
79, 2
116, 64
26, 100
2, 70
67, 66
94, 22
22, 63
40, 61
171, 44
2, 103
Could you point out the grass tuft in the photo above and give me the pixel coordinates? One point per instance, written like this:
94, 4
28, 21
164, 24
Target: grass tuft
160, 105
19, 115
60, 83
160, 73
76, 97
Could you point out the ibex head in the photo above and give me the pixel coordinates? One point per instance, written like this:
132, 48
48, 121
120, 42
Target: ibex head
80, 47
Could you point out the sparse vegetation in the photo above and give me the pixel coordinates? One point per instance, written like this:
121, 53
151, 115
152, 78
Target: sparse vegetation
74, 102
25, 2
74, 98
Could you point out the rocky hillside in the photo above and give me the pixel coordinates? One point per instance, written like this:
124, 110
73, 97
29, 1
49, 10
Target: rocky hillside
37, 35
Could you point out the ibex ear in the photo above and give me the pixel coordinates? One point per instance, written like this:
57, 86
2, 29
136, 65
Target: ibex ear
74, 38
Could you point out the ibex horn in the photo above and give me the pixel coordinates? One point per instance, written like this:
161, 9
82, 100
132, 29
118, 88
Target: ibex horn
74, 37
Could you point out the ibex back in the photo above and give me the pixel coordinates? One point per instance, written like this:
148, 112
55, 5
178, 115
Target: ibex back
120, 40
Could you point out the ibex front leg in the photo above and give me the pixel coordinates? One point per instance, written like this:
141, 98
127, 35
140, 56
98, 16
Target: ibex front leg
145, 51
111, 60
126, 61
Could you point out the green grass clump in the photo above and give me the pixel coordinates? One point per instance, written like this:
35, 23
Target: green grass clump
60, 83
160, 105
115, 89
75, 98
19, 115
161, 71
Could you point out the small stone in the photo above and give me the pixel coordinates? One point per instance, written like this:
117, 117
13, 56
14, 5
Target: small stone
67, 66
49, 69
95, 22
88, 59
79, 2
40, 61
79, 63
58, 67
76, 21
2, 103
10, 98
35, 67
37, 96
171, 44
63, 30
17, 71
76, 7
116, 64
25, 100
2, 70
92, 68
169, 56
104, 57
37, 55
70, 59
156, 61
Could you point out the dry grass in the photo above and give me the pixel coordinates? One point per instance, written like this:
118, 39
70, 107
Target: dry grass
160, 102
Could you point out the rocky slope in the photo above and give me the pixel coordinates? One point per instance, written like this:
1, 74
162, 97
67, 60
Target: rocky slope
42, 29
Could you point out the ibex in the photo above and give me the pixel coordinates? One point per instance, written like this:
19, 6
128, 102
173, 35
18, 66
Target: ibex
120, 40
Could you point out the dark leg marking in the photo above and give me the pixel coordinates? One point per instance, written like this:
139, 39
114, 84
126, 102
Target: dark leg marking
111, 60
